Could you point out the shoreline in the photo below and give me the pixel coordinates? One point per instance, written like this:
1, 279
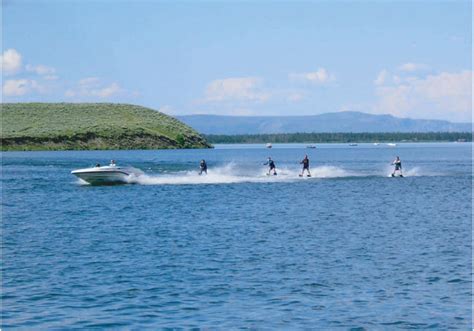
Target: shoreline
252, 145
341, 137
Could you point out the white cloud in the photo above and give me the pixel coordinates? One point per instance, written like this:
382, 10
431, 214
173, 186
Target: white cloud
19, 87
89, 82
445, 96
10, 61
319, 76
94, 87
46, 73
41, 70
236, 89
16, 87
108, 91
381, 77
411, 67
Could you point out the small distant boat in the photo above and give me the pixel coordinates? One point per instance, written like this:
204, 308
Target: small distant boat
352, 144
376, 144
107, 175
310, 146
269, 145
391, 144
461, 140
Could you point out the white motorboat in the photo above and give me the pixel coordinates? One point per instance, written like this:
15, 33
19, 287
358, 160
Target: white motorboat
269, 145
107, 175
392, 144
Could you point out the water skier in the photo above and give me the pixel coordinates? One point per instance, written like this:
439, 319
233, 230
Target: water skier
305, 163
398, 167
203, 167
271, 166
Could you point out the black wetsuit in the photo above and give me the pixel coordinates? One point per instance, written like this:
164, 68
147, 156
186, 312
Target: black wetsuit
305, 163
203, 167
271, 164
398, 165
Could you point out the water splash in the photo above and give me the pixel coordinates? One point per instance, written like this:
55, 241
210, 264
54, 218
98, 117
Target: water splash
414, 172
230, 173
333, 172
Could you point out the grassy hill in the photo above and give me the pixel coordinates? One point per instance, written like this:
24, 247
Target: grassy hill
81, 126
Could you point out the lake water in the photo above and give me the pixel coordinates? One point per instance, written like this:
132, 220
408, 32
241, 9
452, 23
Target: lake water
347, 248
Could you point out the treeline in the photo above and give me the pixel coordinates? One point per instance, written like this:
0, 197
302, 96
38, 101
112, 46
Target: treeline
339, 137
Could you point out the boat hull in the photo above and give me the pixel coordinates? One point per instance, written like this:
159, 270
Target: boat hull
110, 178
105, 175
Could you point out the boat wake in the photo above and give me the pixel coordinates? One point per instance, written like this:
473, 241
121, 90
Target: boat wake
414, 172
232, 174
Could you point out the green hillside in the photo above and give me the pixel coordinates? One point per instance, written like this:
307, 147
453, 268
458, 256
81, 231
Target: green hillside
81, 126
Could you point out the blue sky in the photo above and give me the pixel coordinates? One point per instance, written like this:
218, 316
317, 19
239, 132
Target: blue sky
406, 58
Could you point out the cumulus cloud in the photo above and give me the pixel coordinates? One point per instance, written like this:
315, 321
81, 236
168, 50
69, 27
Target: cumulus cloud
445, 96
381, 77
41, 70
16, 87
412, 67
109, 91
236, 89
19, 87
46, 72
89, 82
94, 87
319, 76
10, 61
11, 64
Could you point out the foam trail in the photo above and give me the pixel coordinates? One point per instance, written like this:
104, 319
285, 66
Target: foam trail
219, 175
81, 182
231, 174
414, 172
332, 172
418, 172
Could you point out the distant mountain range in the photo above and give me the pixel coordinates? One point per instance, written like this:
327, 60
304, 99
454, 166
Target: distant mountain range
348, 121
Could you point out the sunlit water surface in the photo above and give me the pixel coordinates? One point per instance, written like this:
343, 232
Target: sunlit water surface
347, 248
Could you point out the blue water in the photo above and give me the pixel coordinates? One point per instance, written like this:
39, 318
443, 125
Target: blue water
347, 248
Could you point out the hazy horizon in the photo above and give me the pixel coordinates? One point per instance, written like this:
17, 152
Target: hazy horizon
329, 112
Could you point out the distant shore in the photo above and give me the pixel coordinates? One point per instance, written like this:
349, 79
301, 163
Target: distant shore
341, 137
